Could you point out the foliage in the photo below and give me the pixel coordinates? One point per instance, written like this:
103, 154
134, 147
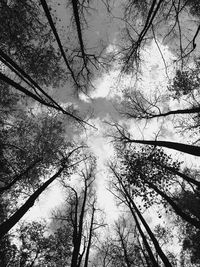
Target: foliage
147, 165
69, 52
27, 38
189, 235
122, 247
184, 83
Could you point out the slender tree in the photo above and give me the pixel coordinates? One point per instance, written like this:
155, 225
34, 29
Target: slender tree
9, 223
188, 149
150, 233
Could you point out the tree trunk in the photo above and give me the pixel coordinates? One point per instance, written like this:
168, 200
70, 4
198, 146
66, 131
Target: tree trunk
178, 210
189, 149
153, 238
78, 27
177, 111
184, 176
48, 15
150, 233
148, 248
18, 177
9, 223
90, 238
77, 239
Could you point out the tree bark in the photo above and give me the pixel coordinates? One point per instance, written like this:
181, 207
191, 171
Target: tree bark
177, 111
180, 174
18, 177
148, 248
48, 15
178, 210
189, 149
79, 31
77, 238
153, 238
150, 233
9, 223
90, 238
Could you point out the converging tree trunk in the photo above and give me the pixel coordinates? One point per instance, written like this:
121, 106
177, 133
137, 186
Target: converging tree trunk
90, 236
150, 233
77, 238
180, 174
148, 248
192, 110
189, 149
18, 177
50, 20
178, 210
9, 223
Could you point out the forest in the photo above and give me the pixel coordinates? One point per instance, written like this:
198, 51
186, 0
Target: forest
100, 122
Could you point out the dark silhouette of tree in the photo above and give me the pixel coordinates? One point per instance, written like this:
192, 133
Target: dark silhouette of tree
32, 63
27, 38
92, 227
137, 106
7, 250
122, 247
9, 223
143, 175
153, 17
78, 227
37, 245
39, 94
125, 138
189, 235
185, 82
120, 187
80, 215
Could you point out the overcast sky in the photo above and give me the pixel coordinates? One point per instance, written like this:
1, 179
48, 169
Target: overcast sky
103, 102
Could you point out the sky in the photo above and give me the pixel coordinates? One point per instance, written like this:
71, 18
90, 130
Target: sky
103, 103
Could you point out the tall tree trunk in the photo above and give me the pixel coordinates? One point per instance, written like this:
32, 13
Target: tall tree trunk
9, 223
177, 111
150, 233
90, 237
50, 20
24, 76
18, 177
144, 255
180, 174
78, 27
178, 210
38, 98
77, 239
148, 248
189, 149
25, 91
153, 238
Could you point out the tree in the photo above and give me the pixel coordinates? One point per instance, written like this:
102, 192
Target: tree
9, 223
37, 247
143, 175
125, 138
160, 21
80, 214
122, 247
136, 106
126, 196
47, 64
189, 235
27, 38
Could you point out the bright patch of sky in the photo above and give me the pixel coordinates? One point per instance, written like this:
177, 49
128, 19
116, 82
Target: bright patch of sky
108, 87
155, 76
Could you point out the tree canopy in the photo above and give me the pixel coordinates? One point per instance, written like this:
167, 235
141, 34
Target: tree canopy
94, 93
